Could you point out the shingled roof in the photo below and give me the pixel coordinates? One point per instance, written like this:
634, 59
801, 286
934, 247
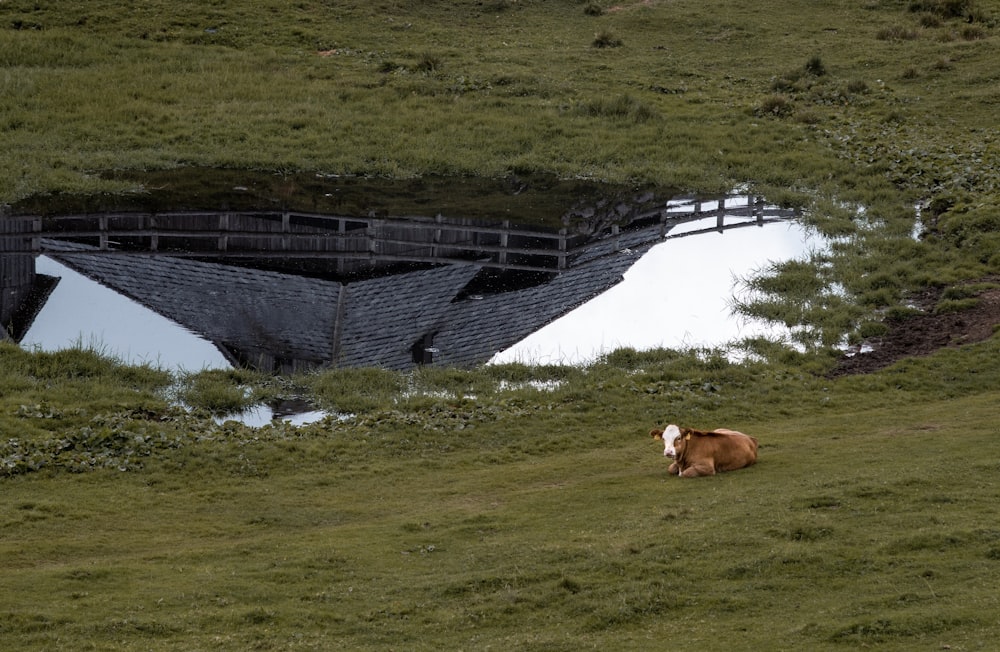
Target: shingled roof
283, 322
254, 317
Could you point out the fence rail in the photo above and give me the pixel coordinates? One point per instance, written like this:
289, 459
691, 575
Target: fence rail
365, 240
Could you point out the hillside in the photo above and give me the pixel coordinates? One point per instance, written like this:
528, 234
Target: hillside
512, 506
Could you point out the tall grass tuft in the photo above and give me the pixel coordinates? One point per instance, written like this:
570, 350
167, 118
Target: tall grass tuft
218, 391
606, 39
897, 33
356, 390
622, 107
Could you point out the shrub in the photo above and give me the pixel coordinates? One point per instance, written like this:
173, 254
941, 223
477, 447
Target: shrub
427, 63
593, 9
929, 21
973, 33
808, 116
962, 224
775, 105
498, 6
606, 39
872, 329
966, 291
946, 8
622, 107
787, 84
857, 86
943, 64
955, 305
815, 67
218, 391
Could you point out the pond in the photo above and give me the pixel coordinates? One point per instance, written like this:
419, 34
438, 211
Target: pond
287, 275
678, 295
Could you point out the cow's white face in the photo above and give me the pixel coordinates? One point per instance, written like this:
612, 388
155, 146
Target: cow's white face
671, 433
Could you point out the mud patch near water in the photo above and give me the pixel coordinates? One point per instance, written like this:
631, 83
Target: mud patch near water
927, 331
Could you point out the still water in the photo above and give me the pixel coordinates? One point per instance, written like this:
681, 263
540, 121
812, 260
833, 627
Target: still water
287, 277
676, 295
81, 311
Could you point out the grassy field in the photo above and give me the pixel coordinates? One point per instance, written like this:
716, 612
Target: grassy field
469, 509
518, 519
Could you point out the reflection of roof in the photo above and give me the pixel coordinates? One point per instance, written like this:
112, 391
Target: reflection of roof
282, 322
386, 317
476, 330
253, 316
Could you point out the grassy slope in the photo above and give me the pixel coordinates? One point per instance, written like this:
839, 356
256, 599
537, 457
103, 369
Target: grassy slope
472, 87
522, 520
532, 520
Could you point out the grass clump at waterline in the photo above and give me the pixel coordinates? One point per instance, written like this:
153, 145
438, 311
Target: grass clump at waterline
535, 514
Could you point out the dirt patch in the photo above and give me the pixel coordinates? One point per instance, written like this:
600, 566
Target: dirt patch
926, 332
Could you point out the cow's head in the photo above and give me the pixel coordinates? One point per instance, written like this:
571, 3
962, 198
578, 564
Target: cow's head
669, 437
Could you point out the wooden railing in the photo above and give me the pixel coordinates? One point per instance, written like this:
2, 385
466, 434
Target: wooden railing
365, 240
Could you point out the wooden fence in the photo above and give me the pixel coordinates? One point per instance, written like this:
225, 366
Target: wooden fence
359, 242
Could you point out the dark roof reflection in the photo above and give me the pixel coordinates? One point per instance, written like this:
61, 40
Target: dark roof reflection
284, 291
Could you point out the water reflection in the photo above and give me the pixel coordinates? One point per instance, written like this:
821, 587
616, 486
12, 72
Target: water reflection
296, 412
676, 296
284, 289
81, 311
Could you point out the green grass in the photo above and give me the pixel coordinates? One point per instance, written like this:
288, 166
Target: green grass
470, 509
528, 519
402, 89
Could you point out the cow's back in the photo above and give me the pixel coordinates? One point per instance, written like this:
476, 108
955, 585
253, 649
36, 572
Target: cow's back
720, 450
735, 450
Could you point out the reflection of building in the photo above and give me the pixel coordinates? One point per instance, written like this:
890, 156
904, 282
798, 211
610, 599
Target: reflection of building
283, 322
22, 292
326, 290
350, 246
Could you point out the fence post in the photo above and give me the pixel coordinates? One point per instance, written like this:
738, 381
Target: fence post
502, 256
223, 244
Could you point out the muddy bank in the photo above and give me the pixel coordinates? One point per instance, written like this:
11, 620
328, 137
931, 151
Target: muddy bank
927, 331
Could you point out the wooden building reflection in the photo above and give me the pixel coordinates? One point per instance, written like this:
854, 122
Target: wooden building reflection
288, 291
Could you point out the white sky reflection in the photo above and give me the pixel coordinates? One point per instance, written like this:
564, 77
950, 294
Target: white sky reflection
82, 311
676, 296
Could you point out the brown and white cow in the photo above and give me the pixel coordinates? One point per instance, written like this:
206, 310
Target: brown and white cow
696, 452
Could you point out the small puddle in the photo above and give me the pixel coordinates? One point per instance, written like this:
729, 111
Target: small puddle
288, 275
294, 412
